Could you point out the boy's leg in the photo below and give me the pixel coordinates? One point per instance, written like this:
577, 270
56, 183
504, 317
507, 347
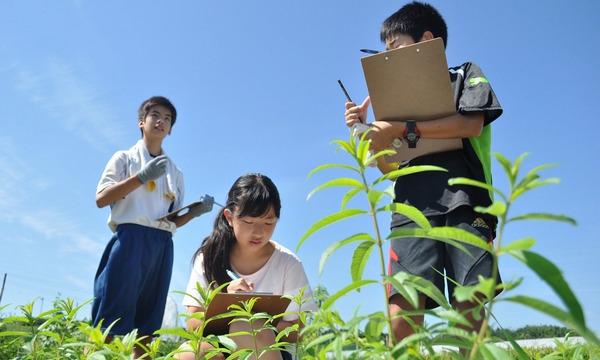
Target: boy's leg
464, 268
404, 326
117, 283
417, 256
157, 249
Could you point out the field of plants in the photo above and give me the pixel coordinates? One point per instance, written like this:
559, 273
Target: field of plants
58, 334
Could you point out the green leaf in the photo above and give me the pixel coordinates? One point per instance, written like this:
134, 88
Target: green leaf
533, 174
385, 152
521, 244
348, 196
409, 211
362, 153
452, 316
360, 259
355, 285
227, 342
393, 175
470, 293
404, 288
353, 183
552, 276
321, 339
544, 216
346, 146
14, 333
375, 326
479, 184
556, 313
338, 244
532, 185
423, 286
402, 233
180, 332
498, 208
331, 166
328, 220
517, 165
493, 352
506, 165
374, 197
460, 235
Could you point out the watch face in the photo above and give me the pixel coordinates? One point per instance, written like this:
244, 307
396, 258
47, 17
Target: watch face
411, 136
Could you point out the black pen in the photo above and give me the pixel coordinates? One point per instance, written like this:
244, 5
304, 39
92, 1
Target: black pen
344, 90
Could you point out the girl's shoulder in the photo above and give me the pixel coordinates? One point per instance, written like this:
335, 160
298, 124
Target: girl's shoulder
285, 255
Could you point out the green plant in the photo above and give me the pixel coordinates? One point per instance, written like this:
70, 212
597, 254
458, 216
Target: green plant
480, 344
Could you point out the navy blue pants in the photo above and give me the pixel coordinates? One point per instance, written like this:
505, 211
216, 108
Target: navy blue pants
132, 280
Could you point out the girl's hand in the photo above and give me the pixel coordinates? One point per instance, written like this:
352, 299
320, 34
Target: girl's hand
240, 285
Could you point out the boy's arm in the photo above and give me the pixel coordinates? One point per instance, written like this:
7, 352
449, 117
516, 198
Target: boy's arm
117, 191
182, 219
203, 206
455, 126
384, 132
154, 169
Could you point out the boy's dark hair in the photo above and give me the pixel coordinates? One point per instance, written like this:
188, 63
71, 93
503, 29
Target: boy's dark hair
153, 101
414, 19
251, 195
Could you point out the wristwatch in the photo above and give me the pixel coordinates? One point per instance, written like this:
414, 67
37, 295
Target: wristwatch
411, 134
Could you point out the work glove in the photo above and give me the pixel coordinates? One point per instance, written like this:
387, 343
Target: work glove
205, 205
154, 169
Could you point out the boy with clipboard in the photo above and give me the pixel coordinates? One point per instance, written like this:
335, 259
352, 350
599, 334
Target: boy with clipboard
476, 108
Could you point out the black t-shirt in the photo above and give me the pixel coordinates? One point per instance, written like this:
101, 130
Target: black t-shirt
429, 191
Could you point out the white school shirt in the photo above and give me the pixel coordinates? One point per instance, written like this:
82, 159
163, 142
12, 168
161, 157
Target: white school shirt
282, 274
142, 206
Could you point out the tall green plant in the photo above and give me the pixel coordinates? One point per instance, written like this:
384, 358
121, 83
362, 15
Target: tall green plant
411, 287
572, 316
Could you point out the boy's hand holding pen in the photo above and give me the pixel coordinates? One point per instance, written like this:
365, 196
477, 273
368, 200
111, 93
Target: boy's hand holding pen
356, 116
238, 284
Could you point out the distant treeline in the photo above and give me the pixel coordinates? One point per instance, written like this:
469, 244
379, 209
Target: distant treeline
533, 332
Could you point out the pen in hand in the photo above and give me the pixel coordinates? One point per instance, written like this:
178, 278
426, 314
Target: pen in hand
344, 90
242, 285
232, 275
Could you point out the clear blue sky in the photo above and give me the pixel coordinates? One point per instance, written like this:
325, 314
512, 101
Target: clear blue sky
255, 87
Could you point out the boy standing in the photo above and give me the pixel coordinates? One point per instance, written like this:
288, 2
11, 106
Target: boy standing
443, 205
141, 185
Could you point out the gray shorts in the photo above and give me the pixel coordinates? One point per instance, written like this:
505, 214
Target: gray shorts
420, 256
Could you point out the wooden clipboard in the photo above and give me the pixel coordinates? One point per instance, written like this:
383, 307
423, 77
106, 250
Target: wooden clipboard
268, 303
412, 83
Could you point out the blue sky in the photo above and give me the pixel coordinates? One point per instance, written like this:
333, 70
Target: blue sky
255, 87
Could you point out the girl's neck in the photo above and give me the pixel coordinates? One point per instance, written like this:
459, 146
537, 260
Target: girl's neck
153, 146
249, 262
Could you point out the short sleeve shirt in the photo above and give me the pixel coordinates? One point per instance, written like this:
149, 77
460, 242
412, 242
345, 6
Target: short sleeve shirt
283, 274
144, 205
429, 191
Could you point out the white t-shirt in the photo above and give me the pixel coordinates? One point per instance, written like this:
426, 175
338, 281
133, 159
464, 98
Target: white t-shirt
282, 274
145, 205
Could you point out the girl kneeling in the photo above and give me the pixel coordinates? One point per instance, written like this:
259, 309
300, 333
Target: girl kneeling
241, 243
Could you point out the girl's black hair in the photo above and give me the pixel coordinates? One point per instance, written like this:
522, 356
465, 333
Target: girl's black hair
251, 195
414, 19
